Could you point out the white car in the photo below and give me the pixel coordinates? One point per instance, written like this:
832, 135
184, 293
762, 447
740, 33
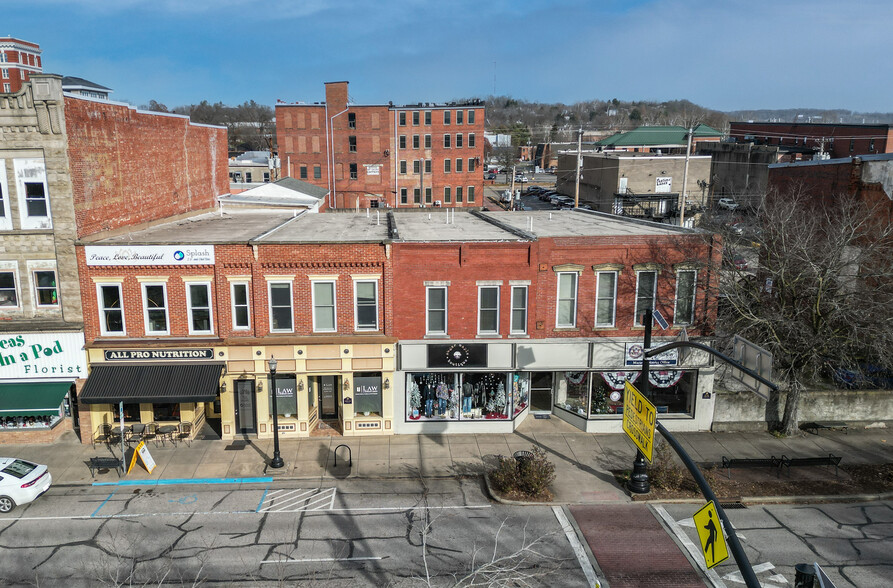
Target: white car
727, 203
21, 482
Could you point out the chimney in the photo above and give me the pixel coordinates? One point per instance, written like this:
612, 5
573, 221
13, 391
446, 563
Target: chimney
336, 96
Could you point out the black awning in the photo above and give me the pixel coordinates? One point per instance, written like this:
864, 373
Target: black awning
152, 383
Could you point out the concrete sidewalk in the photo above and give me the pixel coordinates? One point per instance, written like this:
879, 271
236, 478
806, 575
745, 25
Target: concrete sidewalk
582, 461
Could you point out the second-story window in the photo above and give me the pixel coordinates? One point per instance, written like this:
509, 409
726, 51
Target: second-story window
470, 140
447, 140
366, 305
415, 141
458, 140
646, 288
605, 298
415, 118
471, 117
566, 309
447, 165
402, 117
155, 305
519, 310
241, 307
8, 294
111, 309
323, 295
427, 117
427, 166
446, 117
280, 307
459, 117
684, 313
427, 141
353, 171
352, 144
351, 120
45, 288
198, 297
488, 310
402, 166
401, 141
436, 310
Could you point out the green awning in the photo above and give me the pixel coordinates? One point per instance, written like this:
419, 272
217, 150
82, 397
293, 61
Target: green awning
37, 399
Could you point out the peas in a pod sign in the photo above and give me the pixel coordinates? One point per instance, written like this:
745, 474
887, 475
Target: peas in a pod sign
42, 356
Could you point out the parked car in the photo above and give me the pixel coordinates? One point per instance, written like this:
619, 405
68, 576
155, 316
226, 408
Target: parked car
563, 202
490, 176
727, 203
21, 482
521, 178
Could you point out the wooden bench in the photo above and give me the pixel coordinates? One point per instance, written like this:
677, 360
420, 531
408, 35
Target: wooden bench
830, 460
815, 427
105, 463
753, 462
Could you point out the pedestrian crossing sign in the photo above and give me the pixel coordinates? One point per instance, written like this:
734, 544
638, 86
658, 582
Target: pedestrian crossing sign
713, 542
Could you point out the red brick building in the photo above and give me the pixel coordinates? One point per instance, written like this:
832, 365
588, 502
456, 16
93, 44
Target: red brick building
18, 60
837, 140
384, 155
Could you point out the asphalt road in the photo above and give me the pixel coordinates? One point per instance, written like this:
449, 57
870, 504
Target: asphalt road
851, 542
354, 533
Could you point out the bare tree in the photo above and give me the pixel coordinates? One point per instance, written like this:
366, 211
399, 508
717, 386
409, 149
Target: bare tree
822, 296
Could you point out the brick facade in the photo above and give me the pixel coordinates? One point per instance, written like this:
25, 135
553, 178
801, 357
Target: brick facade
19, 60
358, 154
130, 167
839, 140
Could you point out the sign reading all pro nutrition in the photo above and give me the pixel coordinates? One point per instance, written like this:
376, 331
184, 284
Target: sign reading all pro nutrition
42, 356
149, 254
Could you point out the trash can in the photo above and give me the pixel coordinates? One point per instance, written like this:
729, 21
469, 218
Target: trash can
523, 458
804, 576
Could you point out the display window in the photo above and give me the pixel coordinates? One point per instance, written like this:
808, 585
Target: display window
465, 396
29, 422
572, 391
671, 391
168, 411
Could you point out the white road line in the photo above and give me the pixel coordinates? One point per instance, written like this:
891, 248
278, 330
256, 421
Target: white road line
585, 564
321, 559
293, 504
692, 549
737, 577
308, 502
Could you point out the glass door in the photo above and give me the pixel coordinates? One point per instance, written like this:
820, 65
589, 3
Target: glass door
246, 407
328, 402
541, 391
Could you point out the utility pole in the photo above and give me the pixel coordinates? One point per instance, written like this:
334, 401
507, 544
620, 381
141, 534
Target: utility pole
685, 176
579, 161
512, 190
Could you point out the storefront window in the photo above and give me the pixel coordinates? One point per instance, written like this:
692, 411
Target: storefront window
572, 391
459, 396
166, 412
29, 422
520, 392
286, 395
367, 393
672, 391
131, 413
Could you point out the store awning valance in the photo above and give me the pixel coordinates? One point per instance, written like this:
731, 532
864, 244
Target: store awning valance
32, 399
152, 383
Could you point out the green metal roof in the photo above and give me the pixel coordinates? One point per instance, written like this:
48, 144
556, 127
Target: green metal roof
658, 135
37, 399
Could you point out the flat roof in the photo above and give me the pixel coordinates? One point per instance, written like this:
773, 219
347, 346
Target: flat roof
331, 227
579, 223
445, 225
230, 226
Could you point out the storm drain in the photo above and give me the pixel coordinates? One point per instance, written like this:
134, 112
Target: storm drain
732, 505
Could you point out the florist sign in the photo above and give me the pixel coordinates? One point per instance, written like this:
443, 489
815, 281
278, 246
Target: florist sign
149, 254
42, 355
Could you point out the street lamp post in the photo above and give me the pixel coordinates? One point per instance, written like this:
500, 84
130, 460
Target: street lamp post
276, 462
639, 482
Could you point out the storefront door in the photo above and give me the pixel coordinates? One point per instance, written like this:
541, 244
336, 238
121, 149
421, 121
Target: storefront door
541, 391
246, 408
328, 403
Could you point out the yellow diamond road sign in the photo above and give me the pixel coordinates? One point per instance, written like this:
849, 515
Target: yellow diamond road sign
713, 542
639, 416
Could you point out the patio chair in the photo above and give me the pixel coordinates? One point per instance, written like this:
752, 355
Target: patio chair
103, 434
151, 433
135, 432
185, 432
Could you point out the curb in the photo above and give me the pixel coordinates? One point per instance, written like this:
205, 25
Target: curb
776, 499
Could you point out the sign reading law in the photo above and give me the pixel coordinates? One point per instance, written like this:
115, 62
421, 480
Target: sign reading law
42, 355
149, 254
639, 418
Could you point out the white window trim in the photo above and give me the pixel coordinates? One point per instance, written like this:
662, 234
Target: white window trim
33, 273
636, 294
498, 293
356, 308
6, 219
446, 306
598, 283
334, 284
101, 309
512, 309
291, 304
210, 308
573, 323
32, 222
694, 291
167, 315
13, 267
232, 297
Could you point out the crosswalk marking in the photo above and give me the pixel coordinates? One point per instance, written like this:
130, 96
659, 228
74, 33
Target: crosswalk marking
298, 500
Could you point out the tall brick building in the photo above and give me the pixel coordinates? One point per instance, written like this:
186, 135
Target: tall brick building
18, 60
371, 156
71, 166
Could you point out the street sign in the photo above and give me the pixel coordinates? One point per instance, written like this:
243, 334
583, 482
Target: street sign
660, 319
713, 542
639, 417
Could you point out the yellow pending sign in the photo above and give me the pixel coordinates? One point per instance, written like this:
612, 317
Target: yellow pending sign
639, 417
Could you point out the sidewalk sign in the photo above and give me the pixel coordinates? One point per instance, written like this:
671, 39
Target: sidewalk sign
713, 542
639, 417
142, 452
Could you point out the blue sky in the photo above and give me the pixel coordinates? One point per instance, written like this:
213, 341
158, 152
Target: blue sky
723, 54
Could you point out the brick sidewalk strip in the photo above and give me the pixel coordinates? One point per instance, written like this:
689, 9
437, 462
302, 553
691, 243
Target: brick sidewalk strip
633, 549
